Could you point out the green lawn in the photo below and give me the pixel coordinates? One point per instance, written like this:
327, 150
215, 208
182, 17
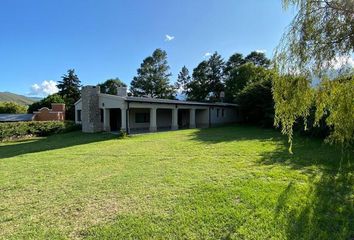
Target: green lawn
231, 182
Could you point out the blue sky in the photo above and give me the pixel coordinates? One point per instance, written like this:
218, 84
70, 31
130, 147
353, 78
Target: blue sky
41, 39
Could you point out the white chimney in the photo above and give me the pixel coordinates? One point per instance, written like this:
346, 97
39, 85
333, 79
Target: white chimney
122, 91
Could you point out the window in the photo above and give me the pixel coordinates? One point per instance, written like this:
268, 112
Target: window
217, 112
142, 117
78, 115
222, 112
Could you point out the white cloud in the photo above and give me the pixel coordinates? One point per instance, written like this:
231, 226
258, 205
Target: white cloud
261, 51
207, 54
342, 61
45, 88
169, 38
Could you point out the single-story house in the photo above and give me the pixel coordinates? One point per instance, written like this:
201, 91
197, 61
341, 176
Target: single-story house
98, 111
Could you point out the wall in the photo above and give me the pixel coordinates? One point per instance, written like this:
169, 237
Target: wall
132, 123
57, 113
230, 115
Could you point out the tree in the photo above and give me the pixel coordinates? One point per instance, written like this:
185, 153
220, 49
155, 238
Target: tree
45, 102
110, 86
234, 61
12, 107
183, 80
239, 77
258, 58
320, 36
256, 100
153, 77
69, 90
208, 80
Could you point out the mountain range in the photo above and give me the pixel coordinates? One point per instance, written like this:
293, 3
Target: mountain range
20, 99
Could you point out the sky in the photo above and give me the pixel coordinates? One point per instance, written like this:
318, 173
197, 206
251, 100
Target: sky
101, 39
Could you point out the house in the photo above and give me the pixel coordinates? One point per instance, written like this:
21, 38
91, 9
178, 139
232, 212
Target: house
56, 113
103, 112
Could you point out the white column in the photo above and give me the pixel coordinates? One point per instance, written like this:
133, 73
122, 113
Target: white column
192, 118
153, 126
123, 119
106, 117
174, 125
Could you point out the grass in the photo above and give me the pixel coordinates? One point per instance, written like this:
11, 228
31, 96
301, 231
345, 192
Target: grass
231, 182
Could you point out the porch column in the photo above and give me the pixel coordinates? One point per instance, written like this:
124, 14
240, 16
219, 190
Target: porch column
153, 126
106, 117
174, 125
192, 118
123, 119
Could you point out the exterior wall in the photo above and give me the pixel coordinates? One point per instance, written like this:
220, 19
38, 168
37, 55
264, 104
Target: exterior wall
57, 113
90, 113
78, 106
132, 124
202, 118
164, 118
230, 115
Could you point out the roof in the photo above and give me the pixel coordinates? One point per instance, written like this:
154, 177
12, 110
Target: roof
16, 117
168, 101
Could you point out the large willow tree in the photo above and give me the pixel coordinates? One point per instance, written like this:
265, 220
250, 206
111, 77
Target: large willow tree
311, 58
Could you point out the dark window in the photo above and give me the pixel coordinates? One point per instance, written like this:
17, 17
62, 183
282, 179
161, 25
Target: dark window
101, 112
222, 112
142, 117
79, 115
217, 112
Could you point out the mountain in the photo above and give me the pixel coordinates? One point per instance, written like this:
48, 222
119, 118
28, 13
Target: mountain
20, 99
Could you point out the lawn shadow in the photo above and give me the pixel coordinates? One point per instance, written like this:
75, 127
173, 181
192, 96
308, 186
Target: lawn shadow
327, 211
57, 141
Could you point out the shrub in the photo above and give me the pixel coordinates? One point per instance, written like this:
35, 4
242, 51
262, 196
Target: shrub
12, 107
22, 129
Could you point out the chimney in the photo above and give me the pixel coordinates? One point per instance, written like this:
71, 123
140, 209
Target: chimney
121, 91
58, 107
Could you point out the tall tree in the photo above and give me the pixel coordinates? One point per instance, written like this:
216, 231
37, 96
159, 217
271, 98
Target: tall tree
320, 37
234, 61
110, 86
153, 77
183, 80
69, 90
208, 80
258, 59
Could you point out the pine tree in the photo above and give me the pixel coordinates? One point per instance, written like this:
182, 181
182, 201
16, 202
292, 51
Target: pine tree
183, 80
69, 90
153, 77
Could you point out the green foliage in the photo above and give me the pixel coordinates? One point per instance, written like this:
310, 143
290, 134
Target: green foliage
22, 129
69, 90
208, 79
183, 80
258, 58
110, 86
45, 102
336, 97
153, 77
256, 100
320, 32
234, 61
239, 77
12, 107
319, 38
19, 99
293, 97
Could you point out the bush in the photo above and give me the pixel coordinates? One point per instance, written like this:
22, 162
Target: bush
22, 129
12, 107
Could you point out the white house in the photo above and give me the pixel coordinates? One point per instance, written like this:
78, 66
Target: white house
103, 112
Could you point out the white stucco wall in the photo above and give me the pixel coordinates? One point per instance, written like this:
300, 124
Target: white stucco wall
230, 115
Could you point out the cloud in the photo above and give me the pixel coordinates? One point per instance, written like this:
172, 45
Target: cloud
45, 88
169, 38
207, 54
342, 61
261, 51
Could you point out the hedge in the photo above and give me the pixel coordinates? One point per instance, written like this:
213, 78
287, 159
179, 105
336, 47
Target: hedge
33, 128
